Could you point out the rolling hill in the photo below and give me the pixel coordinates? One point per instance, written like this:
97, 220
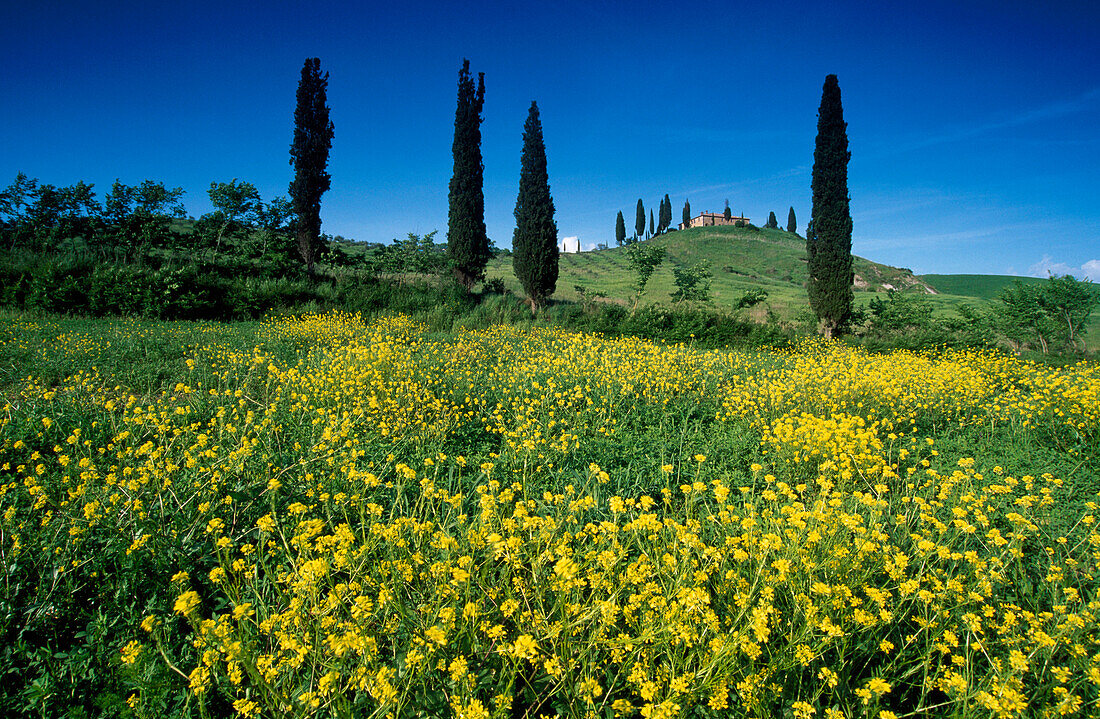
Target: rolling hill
740, 259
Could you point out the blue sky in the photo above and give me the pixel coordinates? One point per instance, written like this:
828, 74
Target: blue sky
973, 126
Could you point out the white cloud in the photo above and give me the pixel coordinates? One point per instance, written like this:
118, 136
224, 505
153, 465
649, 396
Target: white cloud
570, 244
1047, 266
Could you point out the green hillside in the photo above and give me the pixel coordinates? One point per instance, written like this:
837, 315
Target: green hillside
740, 259
986, 287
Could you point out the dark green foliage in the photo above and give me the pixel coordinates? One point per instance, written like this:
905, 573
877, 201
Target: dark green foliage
639, 220
772, 224
829, 237
687, 212
792, 224
309, 155
726, 212
138, 219
467, 241
665, 219
904, 320
651, 227
535, 241
620, 229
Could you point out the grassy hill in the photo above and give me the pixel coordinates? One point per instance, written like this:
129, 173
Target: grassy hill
740, 259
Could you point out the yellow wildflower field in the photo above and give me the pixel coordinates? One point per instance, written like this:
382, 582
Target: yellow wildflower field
350, 518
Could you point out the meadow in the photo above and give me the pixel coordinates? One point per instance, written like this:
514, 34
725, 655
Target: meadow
329, 516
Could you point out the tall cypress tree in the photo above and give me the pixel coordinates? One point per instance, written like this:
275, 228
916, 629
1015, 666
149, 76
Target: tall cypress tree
687, 213
639, 220
773, 223
666, 213
651, 227
467, 241
792, 224
309, 155
535, 241
620, 229
829, 237
726, 213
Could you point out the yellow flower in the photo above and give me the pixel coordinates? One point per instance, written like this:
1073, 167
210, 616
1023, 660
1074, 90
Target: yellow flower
435, 635
131, 652
525, 647
186, 603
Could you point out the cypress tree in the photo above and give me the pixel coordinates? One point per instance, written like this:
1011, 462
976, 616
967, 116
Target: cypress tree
651, 232
772, 222
309, 155
535, 241
829, 237
792, 224
666, 213
727, 213
467, 241
639, 220
620, 229
687, 213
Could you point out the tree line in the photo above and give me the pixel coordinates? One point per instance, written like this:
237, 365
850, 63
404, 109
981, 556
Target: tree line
664, 222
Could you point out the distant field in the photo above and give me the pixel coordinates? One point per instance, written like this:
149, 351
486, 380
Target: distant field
984, 286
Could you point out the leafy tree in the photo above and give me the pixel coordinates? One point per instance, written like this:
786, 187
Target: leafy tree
415, 255
751, 298
620, 229
236, 210
692, 283
639, 220
309, 155
15, 203
272, 219
726, 212
43, 217
467, 242
1069, 301
644, 261
651, 232
772, 222
1052, 313
687, 213
535, 241
1020, 317
792, 224
829, 239
665, 220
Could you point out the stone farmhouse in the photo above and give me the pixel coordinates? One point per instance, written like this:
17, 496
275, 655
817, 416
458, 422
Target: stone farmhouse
712, 219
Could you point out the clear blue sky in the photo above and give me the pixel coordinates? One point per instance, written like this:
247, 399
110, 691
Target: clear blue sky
973, 126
